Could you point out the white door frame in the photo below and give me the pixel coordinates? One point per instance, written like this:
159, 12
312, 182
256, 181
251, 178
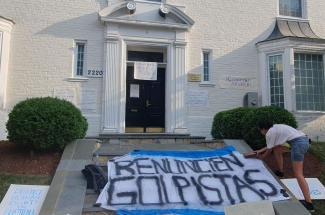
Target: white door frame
114, 83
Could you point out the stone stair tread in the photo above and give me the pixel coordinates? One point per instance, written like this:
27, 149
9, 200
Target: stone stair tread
122, 149
88, 207
148, 135
90, 191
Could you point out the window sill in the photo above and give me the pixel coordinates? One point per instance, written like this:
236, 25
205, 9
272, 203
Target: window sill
292, 18
309, 112
78, 79
207, 85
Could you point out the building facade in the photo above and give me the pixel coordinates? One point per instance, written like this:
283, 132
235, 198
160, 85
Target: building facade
208, 55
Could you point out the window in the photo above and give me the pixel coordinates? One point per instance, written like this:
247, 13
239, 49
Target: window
206, 66
290, 8
155, 0
276, 80
206, 77
309, 82
80, 58
292, 78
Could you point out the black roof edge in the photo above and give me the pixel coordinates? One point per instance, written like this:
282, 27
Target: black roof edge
7, 19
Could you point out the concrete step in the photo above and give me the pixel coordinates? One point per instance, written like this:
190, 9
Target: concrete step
147, 138
67, 193
90, 209
108, 151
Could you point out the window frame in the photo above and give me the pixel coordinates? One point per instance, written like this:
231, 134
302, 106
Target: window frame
6, 26
269, 78
152, 2
1, 41
76, 77
303, 11
310, 52
209, 82
288, 48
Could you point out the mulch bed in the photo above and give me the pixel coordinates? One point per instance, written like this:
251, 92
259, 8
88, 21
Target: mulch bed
312, 166
17, 160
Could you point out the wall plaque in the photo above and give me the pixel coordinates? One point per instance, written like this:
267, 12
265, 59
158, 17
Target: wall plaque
194, 77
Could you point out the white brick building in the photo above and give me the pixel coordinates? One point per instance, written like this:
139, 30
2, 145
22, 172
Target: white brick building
86, 51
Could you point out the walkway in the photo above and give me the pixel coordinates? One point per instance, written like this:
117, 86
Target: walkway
68, 188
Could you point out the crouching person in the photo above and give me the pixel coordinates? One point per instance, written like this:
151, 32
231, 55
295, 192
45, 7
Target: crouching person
277, 137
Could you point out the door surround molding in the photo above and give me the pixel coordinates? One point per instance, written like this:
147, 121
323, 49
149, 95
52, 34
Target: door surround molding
114, 83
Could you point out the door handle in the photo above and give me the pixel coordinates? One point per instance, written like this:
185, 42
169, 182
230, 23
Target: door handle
147, 103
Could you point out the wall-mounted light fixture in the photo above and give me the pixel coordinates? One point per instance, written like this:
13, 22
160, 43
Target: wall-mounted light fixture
163, 11
131, 6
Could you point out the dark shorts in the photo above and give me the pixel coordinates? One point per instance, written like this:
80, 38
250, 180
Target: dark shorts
299, 147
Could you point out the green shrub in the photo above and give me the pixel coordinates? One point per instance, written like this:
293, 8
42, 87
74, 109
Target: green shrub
241, 123
45, 123
277, 115
227, 124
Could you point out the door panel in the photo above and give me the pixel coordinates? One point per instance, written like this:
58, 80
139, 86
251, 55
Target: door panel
147, 112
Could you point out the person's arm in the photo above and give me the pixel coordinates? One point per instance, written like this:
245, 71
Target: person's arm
260, 151
266, 153
270, 137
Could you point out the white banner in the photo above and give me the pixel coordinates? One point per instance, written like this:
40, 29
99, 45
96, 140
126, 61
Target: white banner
145, 70
238, 82
186, 182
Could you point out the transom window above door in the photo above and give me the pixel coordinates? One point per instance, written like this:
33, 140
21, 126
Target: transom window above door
145, 56
293, 8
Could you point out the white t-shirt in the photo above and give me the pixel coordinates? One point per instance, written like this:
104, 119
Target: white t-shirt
279, 134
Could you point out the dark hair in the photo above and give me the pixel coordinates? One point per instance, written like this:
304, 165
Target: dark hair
265, 124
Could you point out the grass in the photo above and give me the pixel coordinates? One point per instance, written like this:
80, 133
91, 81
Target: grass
318, 149
7, 179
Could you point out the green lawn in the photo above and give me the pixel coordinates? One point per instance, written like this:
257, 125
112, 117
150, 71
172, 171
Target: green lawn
318, 150
7, 179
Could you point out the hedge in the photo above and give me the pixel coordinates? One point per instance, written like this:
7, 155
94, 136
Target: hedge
45, 123
241, 123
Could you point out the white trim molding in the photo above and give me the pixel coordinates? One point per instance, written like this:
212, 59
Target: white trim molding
183, 21
5, 35
286, 47
114, 82
75, 77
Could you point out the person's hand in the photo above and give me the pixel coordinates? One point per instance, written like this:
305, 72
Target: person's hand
257, 153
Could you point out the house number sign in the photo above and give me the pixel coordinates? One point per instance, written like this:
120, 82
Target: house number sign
94, 73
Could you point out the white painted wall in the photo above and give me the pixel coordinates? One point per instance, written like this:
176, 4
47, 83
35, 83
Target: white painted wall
231, 30
41, 54
42, 42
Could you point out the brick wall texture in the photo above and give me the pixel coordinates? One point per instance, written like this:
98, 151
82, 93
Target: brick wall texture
41, 53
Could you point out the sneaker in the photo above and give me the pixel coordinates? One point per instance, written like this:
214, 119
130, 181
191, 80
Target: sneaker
279, 174
308, 206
